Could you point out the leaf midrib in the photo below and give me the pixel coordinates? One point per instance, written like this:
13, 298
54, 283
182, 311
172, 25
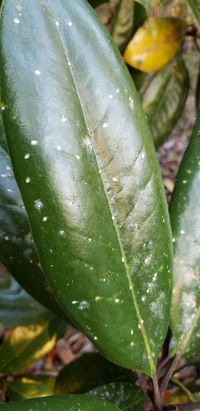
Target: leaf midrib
127, 271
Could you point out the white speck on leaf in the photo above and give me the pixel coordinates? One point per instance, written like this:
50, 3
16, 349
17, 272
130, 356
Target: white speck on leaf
61, 233
37, 72
70, 23
57, 23
28, 180
105, 125
83, 305
115, 179
27, 156
38, 204
45, 218
78, 157
131, 103
16, 21
34, 142
64, 119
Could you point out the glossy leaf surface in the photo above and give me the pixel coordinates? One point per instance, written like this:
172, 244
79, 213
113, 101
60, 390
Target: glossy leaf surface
17, 307
125, 395
29, 386
164, 98
17, 249
89, 371
185, 220
27, 344
155, 43
62, 403
94, 195
123, 24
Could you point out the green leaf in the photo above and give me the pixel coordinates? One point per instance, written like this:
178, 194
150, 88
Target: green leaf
127, 396
185, 220
29, 386
27, 344
17, 307
123, 24
96, 3
87, 372
140, 16
145, 3
164, 98
95, 198
195, 8
67, 402
17, 249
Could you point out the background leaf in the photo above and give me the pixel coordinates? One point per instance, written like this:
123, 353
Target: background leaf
185, 221
87, 372
67, 402
97, 236
29, 386
27, 344
17, 249
95, 3
127, 396
123, 23
155, 43
145, 3
17, 307
164, 98
195, 8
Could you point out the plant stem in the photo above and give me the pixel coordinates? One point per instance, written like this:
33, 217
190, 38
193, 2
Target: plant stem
169, 373
157, 397
162, 366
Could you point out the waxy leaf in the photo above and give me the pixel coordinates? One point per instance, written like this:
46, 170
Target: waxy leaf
17, 307
17, 249
125, 395
185, 220
155, 43
164, 98
94, 195
62, 403
29, 386
123, 24
27, 344
89, 371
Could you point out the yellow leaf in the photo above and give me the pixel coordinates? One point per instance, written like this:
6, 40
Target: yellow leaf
155, 43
